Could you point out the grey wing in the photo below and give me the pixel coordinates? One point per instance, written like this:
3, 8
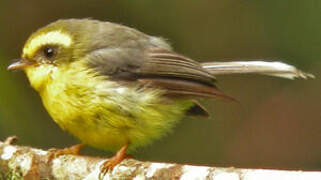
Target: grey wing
165, 63
160, 68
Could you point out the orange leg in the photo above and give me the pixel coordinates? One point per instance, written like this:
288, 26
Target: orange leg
116, 159
73, 150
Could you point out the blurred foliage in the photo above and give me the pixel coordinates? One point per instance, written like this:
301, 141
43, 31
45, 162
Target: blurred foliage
276, 125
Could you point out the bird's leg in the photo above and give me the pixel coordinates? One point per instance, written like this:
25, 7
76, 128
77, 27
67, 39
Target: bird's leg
73, 150
116, 159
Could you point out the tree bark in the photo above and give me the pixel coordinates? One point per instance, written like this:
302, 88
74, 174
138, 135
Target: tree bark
21, 162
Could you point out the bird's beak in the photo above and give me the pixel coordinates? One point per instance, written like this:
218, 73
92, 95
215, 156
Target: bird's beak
20, 64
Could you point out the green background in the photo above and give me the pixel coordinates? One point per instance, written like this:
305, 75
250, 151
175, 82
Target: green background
277, 123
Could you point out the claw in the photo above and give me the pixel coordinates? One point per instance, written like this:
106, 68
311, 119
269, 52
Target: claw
109, 165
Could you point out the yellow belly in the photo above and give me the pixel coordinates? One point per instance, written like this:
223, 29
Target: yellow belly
106, 115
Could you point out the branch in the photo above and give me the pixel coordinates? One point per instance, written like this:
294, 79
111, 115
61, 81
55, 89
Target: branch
20, 162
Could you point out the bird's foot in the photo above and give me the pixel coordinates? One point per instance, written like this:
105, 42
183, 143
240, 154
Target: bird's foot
72, 150
109, 165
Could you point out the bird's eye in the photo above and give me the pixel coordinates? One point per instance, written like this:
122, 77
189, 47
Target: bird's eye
49, 52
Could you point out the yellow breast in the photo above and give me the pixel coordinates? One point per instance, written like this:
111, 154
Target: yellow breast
103, 113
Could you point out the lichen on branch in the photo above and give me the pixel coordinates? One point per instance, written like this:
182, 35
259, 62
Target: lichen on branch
21, 162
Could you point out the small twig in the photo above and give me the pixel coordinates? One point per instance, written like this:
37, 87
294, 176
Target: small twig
20, 162
11, 140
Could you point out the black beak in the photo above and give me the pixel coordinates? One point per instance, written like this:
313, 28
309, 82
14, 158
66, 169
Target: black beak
20, 64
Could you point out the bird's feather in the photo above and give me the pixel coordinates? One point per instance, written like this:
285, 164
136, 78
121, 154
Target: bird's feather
157, 68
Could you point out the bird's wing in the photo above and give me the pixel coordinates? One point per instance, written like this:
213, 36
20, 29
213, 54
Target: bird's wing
165, 63
160, 68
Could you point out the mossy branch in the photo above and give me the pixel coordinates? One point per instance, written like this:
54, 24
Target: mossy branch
21, 162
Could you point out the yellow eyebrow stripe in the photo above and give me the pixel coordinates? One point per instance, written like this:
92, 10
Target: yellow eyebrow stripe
52, 37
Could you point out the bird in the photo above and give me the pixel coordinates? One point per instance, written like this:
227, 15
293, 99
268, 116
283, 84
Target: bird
116, 88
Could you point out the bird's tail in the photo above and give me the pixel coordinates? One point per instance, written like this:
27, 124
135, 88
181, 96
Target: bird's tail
278, 69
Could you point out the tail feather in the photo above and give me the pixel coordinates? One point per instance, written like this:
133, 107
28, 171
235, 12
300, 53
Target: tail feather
277, 69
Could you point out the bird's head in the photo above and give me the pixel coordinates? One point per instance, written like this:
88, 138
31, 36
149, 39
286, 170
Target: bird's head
51, 49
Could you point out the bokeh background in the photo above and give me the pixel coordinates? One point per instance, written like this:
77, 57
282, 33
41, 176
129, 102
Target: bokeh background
277, 123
